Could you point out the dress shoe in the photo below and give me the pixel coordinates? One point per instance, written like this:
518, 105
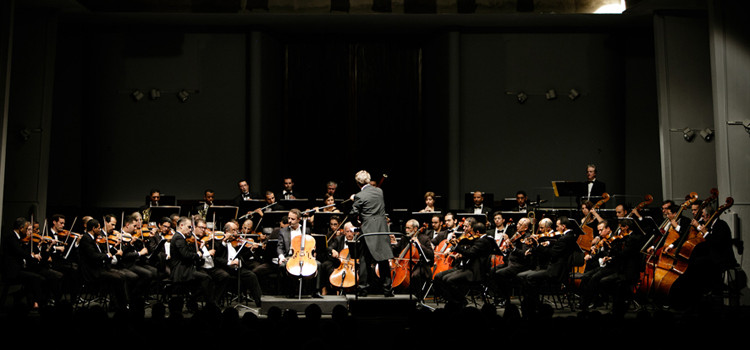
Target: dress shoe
388, 294
317, 295
362, 292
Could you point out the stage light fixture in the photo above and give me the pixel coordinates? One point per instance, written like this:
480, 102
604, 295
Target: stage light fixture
137, 95
688, 134
707, 134
573, 94
550, 94
154, 94
183, 95
521, 97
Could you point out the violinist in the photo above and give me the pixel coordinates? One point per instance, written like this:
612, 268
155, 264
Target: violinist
134, 258
16, 261
474, 250
210, 249
182, 263
598, 267
559, 252
233, 258
116, 247
158, 244
259, 259
517, 260
96, 264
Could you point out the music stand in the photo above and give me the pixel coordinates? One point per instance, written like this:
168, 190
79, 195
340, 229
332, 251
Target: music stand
299, 203
513, 216
221, 213
273, 218
479, 217
567, 188
250, 205
425, 217
322, 220
163, 211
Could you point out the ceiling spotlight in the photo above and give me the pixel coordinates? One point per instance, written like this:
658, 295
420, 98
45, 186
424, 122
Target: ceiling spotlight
154, 94
573, 94
550, 94
688, 134
183, 95
521, 97
137, 95
707, 134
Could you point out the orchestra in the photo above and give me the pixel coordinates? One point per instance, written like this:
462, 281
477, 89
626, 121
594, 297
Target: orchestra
512, 253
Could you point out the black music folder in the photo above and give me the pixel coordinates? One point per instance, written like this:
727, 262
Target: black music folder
163, 211
221, 213
425, 218
567, 188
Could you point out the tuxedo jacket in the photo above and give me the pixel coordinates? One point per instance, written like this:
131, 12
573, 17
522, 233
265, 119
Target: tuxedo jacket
597, 189
475, 256
183, 258
284, 246
559, 252
718, 245
14, 255
369, 205
92, 259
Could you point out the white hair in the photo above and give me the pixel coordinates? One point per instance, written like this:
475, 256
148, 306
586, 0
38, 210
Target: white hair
362, 177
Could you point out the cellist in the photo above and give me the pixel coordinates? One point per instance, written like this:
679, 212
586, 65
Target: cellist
421, 272
285, 252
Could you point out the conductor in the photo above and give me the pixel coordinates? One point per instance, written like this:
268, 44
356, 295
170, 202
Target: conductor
369, 205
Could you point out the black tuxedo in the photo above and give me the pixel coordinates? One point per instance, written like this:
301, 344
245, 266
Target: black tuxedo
560, 252
597, 189
284, 248
95, 265
472, 267
183, 261
14, 260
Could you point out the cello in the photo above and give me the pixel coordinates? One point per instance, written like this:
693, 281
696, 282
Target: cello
344, 276
302, 263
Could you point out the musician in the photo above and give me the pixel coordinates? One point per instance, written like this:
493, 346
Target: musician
183, 262
421, 272
158, 245
284, 247
96, 265
598, 266
429, 202
208, 201
17, 260
335, 247
677, 222
154, 197
331, 187
559, 252
473, 251
244, 194
231, 256
329, 203
518, 259
522, 204
115, 246
478, 206
593, 187
436, 232
134, 259
288, 191
713, 256
369, 206
259, 259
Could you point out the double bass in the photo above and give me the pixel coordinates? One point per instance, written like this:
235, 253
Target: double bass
585, 240
667, 268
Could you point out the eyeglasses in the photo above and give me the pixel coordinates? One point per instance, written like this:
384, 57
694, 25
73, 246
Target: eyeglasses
201, 227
